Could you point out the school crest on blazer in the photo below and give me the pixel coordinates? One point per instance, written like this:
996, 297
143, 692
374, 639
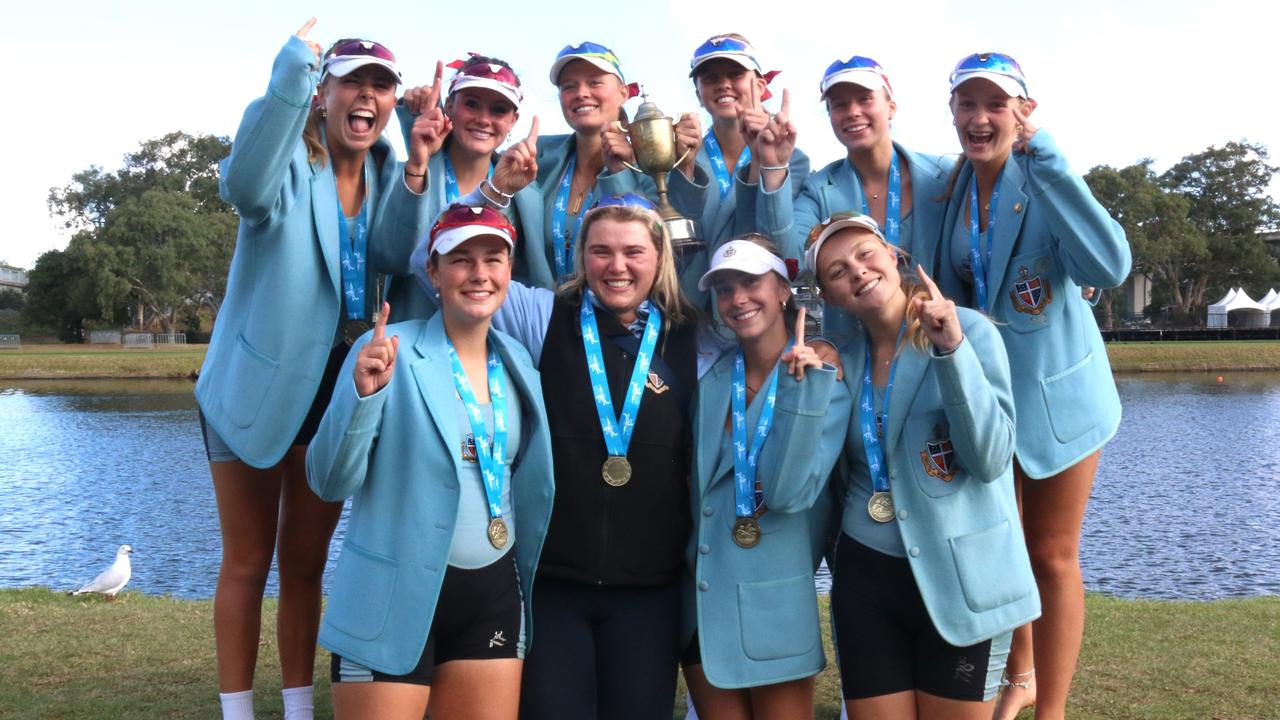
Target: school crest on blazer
938, 456
1031, 294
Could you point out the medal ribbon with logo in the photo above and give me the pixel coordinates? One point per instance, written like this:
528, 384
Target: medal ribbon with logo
490, 451
354, 256
892, 202
880, 507
716, 157
981, 261
617, 429
746, 498
563, 229
451, 192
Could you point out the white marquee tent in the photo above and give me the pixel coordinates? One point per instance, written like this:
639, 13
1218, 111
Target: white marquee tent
1257, 314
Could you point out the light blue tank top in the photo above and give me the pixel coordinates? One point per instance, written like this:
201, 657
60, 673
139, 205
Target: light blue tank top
856, 523
471, 547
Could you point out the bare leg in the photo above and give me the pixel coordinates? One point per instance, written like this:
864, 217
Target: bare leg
713, 703
1053, 513
306, 524
477, 690
895, 706
248, 501
932, 707
1021, 665
783, 701
392, 701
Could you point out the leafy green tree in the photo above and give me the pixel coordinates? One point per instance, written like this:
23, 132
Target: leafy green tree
154, 235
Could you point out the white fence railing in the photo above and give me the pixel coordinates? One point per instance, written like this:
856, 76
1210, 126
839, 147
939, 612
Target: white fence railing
169, 338
10, 342
138, 340
104, 337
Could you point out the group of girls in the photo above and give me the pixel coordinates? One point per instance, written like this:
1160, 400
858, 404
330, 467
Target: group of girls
569, 443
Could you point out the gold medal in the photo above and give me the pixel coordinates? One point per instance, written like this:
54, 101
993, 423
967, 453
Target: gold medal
498, 533
880, 507
616, 470
352, 330
746, 532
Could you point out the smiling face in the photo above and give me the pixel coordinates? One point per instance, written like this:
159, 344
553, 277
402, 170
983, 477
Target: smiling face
723, 85
860, 116
357, 107
620, 262
751, 305
472, 278
859, 272
481, 119
589, 97
984, 119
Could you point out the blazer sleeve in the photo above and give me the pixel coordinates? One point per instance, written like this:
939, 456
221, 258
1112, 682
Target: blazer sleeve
260, 170
786, 214
1091, 244
338, 456
403, 216
977, 398
689, 197
810, 420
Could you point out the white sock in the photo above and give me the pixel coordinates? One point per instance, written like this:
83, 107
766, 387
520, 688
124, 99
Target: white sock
298, 704
237, 705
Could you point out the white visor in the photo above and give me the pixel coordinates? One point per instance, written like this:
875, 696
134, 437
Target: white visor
1010, 86
857, 221
743, 256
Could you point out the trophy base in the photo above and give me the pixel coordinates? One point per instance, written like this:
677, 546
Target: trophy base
684, 235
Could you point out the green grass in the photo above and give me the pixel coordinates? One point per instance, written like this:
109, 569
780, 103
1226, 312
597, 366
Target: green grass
38, 362
151, 657
1194, 355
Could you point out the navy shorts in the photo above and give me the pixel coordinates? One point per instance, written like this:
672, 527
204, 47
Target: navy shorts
885, 641
479, 616
216, 449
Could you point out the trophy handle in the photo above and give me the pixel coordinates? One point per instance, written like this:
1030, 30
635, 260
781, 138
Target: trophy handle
682, 157
632, 167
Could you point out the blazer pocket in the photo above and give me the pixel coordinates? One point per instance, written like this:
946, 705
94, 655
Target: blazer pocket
1063, 395
993, 567
363, 584
253, 373
779, 618
931, 456
1031, 291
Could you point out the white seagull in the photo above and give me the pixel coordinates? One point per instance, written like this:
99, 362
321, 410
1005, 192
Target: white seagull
113, 579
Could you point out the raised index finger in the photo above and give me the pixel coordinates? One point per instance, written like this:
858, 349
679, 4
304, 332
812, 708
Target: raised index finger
302, 31
755, 99
380, 326
433, 95
533, 133
786, 103
800, 327
934, 292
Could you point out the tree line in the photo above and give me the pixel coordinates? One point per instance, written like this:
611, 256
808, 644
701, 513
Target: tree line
152, 241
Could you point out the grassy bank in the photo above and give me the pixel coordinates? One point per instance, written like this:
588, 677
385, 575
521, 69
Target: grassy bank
34, 362
38, 362
145, 657
1194, 355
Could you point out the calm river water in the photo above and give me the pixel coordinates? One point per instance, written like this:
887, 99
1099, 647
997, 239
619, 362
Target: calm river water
1186, 505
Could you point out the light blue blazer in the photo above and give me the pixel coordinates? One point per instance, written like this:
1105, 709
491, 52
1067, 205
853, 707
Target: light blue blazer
756, 609
960, 524
719, 220
1052, 238
836, 188
277, 325
537, 268
395, 453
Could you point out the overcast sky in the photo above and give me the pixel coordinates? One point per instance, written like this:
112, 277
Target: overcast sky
1116, 82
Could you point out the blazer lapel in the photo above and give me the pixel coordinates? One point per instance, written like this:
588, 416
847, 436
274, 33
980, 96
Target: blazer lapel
843, 191
1010, 210
434, 378
324, 206
713, 409
912, 364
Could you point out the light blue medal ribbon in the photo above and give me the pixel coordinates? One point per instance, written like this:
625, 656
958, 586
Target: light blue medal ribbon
617, 429
746, 498
978, 259
490, 451
354, 254
893, 202
881, 505
563, 228
451, 191
716, 157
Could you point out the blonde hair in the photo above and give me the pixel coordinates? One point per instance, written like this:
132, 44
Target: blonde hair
911, 287
665, 292
317, 153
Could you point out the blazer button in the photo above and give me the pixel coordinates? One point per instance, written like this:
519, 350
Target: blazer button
707, 511
1017, 207
915, 552
703, 586
902, 514
705, 549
